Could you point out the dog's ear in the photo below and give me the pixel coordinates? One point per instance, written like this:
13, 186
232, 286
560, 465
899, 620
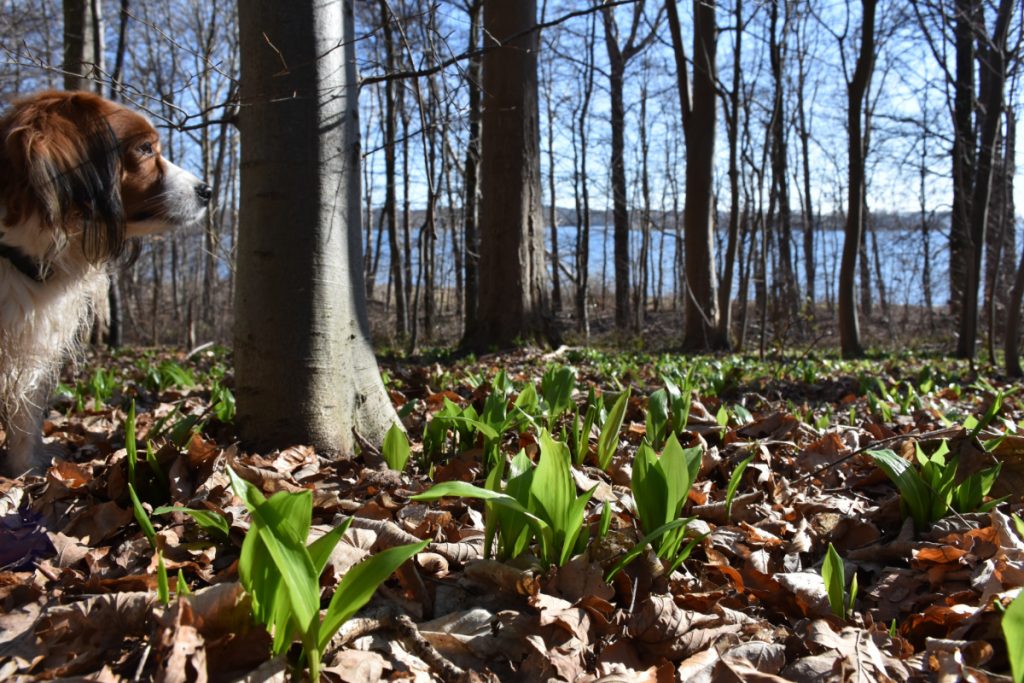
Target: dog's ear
63, 163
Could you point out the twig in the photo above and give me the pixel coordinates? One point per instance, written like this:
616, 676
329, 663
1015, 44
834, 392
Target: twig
920, 436
416, 644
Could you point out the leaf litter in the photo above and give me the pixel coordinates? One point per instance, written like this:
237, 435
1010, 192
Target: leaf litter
783, 473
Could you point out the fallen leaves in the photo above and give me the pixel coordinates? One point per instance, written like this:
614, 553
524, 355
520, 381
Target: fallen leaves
78, 579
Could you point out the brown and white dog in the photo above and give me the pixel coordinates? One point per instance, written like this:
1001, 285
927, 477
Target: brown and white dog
79, 175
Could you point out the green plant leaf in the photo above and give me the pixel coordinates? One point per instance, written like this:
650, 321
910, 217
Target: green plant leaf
608, 442
657, 417
320, 550
181, 585
553, 487
642, 544
359, 584
130, 445
916, 495
276, 527
557, 386
163, 588
207, 520
1013, 631
834, 576
606, 520
675, 468
734, 482
395, 450
650, 490
141, 517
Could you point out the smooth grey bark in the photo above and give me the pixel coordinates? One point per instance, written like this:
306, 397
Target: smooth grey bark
512, 306
304, 368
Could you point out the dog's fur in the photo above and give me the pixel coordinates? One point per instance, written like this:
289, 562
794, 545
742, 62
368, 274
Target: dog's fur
79, 176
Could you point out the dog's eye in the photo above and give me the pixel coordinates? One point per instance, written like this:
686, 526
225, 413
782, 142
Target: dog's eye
146, 148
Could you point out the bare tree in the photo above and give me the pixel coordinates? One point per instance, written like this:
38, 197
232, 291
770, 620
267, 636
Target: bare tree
856, 87
992, 67
302, 337
513, 302
700, 285
618, 57
83, 45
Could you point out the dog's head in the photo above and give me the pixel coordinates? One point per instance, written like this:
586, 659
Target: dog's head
91, 170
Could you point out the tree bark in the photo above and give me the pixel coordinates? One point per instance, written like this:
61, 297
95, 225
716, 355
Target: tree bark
398, 284
471, 177
699, 283
963, 151
305, 370
513, 302
993, 75
83, 45
849, 330
732, 121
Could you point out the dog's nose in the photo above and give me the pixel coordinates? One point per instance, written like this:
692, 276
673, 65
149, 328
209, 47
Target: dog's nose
204, 192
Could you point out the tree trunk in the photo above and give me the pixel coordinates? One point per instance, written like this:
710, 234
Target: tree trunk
391, 178
556, 280
1011, 345
780, 172
583, 208
513, 305
83, 45
471, 177
699, 285
849, 331
993, 76
305, 370
620, 211
732, 120
963, 151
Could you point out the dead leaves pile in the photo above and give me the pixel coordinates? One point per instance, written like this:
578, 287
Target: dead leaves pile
78, 578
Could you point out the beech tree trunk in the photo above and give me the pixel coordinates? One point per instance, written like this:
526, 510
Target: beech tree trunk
304, 368
513, 302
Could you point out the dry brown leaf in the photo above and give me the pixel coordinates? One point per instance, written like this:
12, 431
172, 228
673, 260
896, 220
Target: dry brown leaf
180, 649
503, 577
356, 666
662, 628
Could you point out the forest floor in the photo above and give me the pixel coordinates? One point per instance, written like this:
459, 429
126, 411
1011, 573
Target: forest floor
790, 457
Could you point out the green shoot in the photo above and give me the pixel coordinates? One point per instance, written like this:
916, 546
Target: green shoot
281, 573
1013, 631
834, 576
734, 483
608, 442
396, 448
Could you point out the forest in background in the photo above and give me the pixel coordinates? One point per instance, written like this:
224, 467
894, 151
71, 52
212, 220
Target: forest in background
613, 161
550, 513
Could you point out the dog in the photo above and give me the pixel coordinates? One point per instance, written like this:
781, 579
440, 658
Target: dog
80, 176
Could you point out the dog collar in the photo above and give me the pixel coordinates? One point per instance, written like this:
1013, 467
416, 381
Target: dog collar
24, 264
